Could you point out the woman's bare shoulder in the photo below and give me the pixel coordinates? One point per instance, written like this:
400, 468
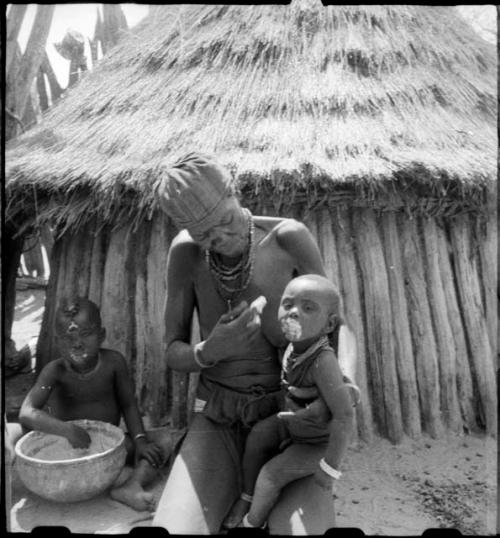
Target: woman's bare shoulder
278, 225
184, 246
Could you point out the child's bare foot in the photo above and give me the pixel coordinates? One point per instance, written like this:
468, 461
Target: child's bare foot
132, 494
124, 475
235, 516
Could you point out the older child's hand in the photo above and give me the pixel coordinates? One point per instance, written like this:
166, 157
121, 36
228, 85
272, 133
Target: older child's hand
149, 451
77, 436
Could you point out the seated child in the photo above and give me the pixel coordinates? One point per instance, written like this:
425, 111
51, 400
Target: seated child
292, 444
90, 382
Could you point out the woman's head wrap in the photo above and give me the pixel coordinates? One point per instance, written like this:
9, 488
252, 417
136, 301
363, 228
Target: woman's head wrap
192, 190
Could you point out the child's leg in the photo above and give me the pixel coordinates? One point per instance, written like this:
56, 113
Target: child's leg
261, 445
296, 461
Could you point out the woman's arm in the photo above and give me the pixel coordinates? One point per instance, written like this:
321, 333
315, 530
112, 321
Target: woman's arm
296, 239
180, 305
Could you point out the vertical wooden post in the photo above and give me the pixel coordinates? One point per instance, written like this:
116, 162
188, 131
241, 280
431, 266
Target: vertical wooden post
117, 302
45, 348
488, 245
97, 262
464, 379
424, 344
405, 362
442, 330
42, 90
354, 314
55, 89
379, 329
143, 362
33, 55
14, 23
327, 246
474, 321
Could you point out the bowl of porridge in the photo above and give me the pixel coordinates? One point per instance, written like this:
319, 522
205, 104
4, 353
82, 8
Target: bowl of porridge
50, 467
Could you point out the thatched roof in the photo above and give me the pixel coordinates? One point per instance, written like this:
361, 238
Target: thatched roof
353, 102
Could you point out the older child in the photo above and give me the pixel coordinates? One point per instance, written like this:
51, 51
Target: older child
89, 382
291, 445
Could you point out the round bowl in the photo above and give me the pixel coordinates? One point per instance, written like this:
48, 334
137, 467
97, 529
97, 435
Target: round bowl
50, 467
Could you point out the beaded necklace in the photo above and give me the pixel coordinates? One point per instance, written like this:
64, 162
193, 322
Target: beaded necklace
227, 277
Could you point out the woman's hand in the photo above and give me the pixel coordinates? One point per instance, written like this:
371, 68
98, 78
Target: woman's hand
235, 333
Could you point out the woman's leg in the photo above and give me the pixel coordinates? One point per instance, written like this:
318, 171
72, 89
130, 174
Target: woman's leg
203, 482
303, 507
262, 444
296, 461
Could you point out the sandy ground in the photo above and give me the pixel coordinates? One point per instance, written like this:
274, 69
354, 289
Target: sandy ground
388, 490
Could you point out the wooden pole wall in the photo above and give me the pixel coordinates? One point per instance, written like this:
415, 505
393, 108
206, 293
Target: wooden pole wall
405, 361
414, 296
379, 326
441, 326
352, 295
463, 372
424, 344
480, 353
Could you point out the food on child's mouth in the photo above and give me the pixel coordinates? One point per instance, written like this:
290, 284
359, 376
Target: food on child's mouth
291, 329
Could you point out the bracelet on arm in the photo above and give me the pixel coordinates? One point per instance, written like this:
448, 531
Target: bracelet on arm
140, 436
198, 358
329, 470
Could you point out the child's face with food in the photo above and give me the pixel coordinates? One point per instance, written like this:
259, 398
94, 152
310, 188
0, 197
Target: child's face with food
304, 314
80, 337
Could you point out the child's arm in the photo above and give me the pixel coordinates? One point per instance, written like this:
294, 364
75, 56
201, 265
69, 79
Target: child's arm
329, 380
33, 417
128, 406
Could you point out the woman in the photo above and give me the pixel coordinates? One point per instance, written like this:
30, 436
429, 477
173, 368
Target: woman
221, 261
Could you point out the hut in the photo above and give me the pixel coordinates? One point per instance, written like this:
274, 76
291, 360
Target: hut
373, 124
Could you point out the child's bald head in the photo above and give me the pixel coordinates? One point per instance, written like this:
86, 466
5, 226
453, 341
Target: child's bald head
77, 311
310, 307
323, 289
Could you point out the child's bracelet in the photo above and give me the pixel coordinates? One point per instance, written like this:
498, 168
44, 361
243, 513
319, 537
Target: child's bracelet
140, 436
197, 356
329, 470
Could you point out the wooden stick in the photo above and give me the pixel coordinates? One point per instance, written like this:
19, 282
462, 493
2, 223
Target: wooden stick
488, 255
444, 337
354, 315
405, 362
116, 307
158, 380
466, 272
97, 262
45, 351
464, 379
424, 344
379, 328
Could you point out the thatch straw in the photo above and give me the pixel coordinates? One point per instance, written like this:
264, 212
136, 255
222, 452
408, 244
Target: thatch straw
299, 100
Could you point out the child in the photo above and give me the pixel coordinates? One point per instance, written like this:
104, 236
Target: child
89, 382
310, 310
